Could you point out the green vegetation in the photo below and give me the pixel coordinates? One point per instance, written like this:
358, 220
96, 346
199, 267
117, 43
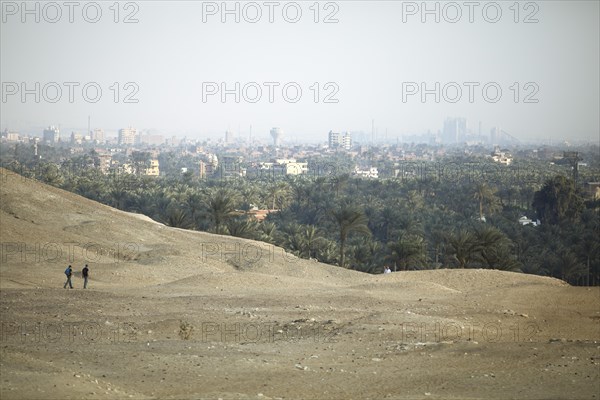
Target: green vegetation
418, 221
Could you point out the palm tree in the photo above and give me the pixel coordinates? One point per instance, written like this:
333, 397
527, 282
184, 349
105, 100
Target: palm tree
568, 266
268, 231
350, 219
495, 250
385, 220
485, 195
408, 250
250, 195
52, 175
310, 238
118, 195
558, 201
162, 201
463, 247
176, 217
193, 203
327, 252
221, 207
142, 202
367, 256
339, 182
589, 247
278, 192
242, 226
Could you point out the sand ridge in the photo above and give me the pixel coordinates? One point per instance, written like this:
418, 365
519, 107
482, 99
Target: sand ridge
180, 314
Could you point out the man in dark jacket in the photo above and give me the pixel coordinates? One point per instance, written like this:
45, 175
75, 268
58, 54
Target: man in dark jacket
84, 273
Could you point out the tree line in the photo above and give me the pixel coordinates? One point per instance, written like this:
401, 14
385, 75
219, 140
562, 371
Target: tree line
365, 224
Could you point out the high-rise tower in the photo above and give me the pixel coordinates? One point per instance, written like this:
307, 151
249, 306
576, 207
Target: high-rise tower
276, 134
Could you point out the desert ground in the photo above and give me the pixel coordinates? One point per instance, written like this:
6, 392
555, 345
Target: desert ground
175, 314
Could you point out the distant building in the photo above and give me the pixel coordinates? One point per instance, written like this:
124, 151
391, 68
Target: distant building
292, 167
153, 168
104, 163
229, 137
127, 136
231, 166
526, 221
76, 138
455, 130
202, 169
502, 156
334, 139
372, 173
260, 215
213, 160
97, 136
277, 135
347, 141
340, 140
11, 136
51, 134
285, 166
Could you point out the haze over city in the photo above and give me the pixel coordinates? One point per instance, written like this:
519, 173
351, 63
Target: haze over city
387, 68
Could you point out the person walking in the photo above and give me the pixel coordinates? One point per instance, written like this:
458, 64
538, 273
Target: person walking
84, 273
68, 273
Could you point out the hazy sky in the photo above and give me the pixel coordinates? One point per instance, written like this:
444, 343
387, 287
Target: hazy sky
374, 55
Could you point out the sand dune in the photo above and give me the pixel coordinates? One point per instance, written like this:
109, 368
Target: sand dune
180, 314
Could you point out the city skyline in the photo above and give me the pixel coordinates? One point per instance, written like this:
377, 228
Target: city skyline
465, 133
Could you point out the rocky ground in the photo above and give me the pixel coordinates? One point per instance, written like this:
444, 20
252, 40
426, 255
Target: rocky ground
177, 314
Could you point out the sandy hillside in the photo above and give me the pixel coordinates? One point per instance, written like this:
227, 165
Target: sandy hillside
177, 314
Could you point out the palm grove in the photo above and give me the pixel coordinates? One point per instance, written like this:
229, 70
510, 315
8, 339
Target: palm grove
363, 224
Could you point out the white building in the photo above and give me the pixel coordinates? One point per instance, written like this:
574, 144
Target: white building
128, 136
502, 156
526, 221
366, 173
287, 166
153, 169
337, 140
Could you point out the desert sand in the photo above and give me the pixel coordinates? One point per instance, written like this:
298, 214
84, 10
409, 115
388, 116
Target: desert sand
177, 314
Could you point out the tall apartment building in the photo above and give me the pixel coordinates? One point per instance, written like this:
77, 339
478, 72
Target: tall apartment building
455, 130
347, 141
334, 139
343, 140
97, 136
51, 134
128, 136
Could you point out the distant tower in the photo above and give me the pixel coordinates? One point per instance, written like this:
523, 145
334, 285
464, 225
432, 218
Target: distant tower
228, 137
276, 134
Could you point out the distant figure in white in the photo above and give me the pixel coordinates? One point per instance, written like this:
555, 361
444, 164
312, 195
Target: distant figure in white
387, 270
